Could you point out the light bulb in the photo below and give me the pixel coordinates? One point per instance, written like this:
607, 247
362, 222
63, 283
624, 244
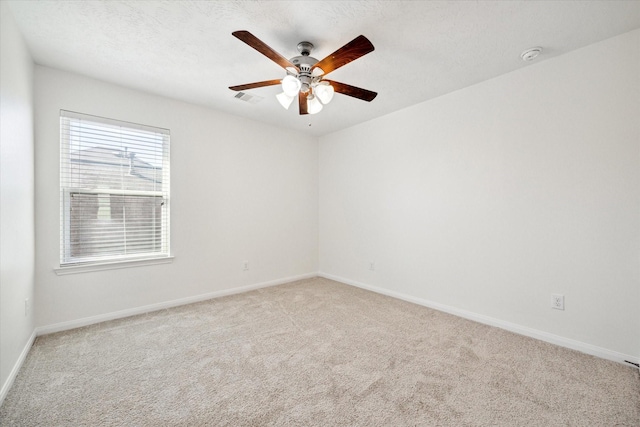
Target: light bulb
285, 100
313, 105
291, 85
324, 92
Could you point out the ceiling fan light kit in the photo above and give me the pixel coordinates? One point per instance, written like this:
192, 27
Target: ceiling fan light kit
285, 100
324, 91
305, 74
313, 105
291, 85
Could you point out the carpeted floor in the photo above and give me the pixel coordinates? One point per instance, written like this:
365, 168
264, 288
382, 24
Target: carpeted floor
312, 353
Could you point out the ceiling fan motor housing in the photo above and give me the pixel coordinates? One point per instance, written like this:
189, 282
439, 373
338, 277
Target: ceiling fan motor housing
304, 64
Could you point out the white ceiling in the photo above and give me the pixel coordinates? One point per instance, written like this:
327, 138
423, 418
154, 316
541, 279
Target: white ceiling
423, 49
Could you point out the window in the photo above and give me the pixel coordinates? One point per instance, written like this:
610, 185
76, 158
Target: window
114, 190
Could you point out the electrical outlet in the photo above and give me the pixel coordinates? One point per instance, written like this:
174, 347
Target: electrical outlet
26, 307
372, 266
245, 266
557, 301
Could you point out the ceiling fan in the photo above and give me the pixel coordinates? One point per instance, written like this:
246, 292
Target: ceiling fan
305, 74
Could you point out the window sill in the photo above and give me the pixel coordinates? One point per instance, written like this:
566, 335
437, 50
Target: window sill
76, 269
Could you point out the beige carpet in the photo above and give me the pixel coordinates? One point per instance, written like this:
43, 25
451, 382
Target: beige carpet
312, 353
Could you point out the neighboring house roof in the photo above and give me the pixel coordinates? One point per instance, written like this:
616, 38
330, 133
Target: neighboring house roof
118, 159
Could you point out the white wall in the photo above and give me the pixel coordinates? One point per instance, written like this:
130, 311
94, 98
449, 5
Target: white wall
491, 198
240, 191
16, 198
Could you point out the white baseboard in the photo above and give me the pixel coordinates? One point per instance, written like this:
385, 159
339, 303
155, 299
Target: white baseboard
512, 327
72, 324
16, 368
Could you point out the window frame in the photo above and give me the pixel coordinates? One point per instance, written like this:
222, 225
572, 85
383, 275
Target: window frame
68, 263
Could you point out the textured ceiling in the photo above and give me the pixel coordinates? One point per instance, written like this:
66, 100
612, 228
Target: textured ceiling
424, 49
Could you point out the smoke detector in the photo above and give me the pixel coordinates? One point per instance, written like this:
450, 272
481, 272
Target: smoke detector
530, 54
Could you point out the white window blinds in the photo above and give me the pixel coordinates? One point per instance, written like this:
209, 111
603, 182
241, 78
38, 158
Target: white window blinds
114, 185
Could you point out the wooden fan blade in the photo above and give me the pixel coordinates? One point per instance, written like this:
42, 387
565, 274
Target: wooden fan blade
351, 51
356, 92
302, 103
255, 85
261, 47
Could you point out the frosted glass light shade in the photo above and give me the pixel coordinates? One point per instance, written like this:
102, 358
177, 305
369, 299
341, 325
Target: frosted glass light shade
291, 85
285, 100
324, 92
313, 105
